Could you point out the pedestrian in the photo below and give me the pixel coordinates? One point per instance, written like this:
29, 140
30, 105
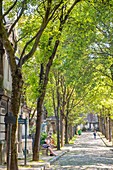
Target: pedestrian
94, 133
47, 144
79, 132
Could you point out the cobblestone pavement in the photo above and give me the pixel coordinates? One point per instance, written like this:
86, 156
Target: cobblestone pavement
87, 153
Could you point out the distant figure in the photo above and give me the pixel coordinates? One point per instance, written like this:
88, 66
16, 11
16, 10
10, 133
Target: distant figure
79, 132
94, 133
48, 145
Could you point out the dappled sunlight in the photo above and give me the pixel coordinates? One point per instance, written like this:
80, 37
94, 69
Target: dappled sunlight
85, 167
86, 153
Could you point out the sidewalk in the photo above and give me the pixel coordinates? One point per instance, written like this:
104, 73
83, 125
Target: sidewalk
46, 161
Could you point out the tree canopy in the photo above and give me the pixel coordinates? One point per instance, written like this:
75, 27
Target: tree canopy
64, 52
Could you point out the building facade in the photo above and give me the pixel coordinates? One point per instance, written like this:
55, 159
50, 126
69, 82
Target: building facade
5, 96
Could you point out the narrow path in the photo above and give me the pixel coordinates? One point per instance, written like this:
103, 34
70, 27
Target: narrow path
87, 153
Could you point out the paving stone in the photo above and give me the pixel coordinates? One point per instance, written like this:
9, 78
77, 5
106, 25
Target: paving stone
86, 154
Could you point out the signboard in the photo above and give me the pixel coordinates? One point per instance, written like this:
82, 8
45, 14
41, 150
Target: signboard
10, 119
22, 121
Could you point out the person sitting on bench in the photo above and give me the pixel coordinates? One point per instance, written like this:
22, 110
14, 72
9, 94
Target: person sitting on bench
47, 145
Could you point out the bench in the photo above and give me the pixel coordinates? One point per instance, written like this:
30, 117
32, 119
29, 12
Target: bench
44, 150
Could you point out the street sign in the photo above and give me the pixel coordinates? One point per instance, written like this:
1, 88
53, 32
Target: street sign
22, 121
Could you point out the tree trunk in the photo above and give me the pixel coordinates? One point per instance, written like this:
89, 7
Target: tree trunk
110, 128
62, 131
15, 103
70, 132
107, 128
14, 161
58, 134
38, 129
58, 112
112, 131
100, 123
66, 131
103, 126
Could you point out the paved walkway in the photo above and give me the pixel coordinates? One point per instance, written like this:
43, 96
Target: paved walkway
87, 153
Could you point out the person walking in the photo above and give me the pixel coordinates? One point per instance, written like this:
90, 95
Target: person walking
94, 133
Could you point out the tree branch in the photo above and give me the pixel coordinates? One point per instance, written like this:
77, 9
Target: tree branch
23, 51
32, 116
70, 9
19, 16
10, 8
8, 47
38, 35
55, 9
79, 101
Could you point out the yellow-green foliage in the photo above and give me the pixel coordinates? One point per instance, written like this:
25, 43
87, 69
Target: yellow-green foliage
72, 141
54, 136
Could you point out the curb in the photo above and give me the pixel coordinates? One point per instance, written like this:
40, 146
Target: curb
50, 162
57, 157
107, 143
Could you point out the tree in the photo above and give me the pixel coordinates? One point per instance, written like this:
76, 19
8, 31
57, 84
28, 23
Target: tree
44, 73
14, 12
30, 35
